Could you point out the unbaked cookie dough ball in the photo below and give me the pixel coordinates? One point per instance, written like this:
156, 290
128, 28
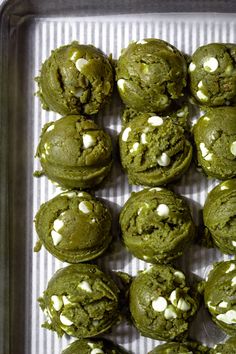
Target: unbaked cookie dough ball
212, 74
161, 303
219, 215
75, 79
156, 225
154, 150
88, 346
74, 226
75, 152
220, 295
81, 301
229, 347
180, 348
215, 140
150, 74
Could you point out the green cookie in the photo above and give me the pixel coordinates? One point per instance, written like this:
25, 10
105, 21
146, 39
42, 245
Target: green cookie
180, 348
88, 346
74, 226
75, 79
75, 152
81, 301
150, 75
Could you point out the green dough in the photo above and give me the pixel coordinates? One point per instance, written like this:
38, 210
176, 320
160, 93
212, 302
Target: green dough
179, 348
74, 226
75, 152
81, 301
220, 295
219, 216
156, 225
154, 150
88, 346
229, 347
215, 140
212, 74
75, 79
150, 75
161, 303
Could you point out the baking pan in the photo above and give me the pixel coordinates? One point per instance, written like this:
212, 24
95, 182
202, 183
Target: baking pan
28, 32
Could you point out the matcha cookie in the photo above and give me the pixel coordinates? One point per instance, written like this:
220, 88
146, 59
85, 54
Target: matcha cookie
219, 215
150, 74
215, 140
75, 79
161, 303
220, 295
156, 225
179, 348
75, 152
81, 301
154, 150
88, 346
212, 74
74, 226
229, 347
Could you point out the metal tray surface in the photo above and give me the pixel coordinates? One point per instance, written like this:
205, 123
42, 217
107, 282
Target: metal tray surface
29, 30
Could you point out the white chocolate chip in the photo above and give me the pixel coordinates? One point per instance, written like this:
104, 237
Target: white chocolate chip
91, 345
163, 210
64, 320
173, 297
97, 351
56, 237
157, 189
234, 243
79, 92
192, 67
58, 224
223, 304
88, 141
56, 302
156, 121
125, 134
65, 300
74, 55
233, 148
160, 304
180, 114
50, 128
170, 313
228, 317
233, 281
143, 138
85, 207
206, 118
211, 306
84, 285
81, 194
231, 268
93, 220
203, 149
43, 156
69, 195
179, 274
211, 64
201, 96
208, 157
142, 41
135, 147
200, 84
183, 305
80, 63
163, 160
121, 84
95, 323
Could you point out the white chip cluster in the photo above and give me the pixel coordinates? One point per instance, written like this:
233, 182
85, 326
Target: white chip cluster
56, 236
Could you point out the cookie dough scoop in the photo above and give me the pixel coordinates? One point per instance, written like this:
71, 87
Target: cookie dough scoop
92, 346
81, 301
220, 295
75, 152
219, 215
75, 79
156, 225
215, 142
161, 303
151, 74
74, 227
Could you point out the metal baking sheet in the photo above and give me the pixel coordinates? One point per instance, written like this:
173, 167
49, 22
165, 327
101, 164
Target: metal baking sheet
29, 30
